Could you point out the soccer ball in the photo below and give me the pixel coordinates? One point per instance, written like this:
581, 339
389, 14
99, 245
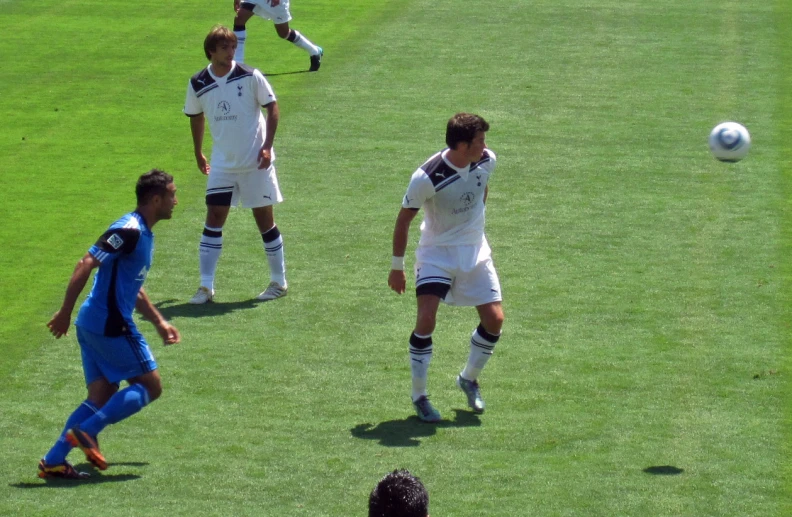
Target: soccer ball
729, 142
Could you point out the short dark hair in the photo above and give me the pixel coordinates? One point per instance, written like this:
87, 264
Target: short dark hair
218, 34
154, 183
463, 127
399, 494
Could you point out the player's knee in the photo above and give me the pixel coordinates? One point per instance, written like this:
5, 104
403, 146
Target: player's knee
153, 386
154, 390
425, 324
285, 32
216, 216
241, 18
493, 323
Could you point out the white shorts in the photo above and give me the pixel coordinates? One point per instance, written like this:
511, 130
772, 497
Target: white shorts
278, 14
255, 189
468, 270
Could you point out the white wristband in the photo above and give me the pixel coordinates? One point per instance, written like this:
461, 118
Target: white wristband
397, 263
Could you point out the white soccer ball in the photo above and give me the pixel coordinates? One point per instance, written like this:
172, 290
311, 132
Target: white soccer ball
729, 142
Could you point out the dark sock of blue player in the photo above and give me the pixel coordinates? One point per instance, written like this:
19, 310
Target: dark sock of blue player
122, 405
61, 449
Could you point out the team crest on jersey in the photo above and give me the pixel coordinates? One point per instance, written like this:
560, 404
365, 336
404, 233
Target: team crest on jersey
225, 109
239, 90
467, 198
115, 241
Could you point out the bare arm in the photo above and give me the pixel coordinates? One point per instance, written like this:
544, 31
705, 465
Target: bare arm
197, 128
61, 320
169, 334
273, 115
486, 193
397, 279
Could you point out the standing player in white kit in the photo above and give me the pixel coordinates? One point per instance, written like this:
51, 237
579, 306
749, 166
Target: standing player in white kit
231, 96
453, 259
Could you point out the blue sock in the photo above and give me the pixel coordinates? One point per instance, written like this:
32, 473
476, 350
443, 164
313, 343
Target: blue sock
61, 449
122, 405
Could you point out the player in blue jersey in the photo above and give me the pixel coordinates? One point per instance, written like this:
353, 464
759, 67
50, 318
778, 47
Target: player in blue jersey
113, 350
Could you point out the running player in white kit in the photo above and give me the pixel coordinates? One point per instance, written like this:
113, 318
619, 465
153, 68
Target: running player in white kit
278, 12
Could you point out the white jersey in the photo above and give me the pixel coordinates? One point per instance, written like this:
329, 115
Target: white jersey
232, 106
452, 198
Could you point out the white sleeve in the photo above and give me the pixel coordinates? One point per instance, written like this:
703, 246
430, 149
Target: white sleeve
418, 191
264, 93
492, 162
192, 106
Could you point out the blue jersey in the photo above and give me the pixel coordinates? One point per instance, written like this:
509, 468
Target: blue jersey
125, 251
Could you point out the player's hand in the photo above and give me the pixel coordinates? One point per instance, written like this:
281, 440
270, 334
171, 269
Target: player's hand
203, 165
397, 280
59, 324
265, 158
170, 335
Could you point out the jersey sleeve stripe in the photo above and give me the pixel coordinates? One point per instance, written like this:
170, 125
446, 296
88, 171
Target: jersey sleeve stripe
98, 254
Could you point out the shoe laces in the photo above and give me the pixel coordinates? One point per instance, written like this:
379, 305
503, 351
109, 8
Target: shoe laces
424, 405
274, 288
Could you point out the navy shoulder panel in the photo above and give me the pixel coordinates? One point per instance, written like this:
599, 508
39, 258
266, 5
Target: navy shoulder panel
485, 157
438, 170
202, 82
240, 71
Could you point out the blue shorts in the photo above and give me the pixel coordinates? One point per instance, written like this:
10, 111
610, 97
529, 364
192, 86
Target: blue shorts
114, 358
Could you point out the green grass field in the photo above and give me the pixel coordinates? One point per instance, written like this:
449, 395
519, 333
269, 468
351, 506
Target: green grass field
644, 365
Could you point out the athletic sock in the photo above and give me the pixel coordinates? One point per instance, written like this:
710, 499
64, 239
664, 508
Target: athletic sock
420, 356
302, 42
209, 254
273, 247
241, 34
123, 404
482, 344
62, 447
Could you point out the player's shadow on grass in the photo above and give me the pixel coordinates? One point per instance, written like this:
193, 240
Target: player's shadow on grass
406, 433
95, 479
663, 470
187, 310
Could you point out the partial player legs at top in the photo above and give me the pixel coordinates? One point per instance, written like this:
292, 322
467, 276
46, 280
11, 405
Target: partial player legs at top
278, 12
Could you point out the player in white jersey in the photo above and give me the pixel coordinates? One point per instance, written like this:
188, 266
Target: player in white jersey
278, 12
231, 96
453, 260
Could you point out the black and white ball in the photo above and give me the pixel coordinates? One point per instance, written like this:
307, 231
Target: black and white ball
729, 142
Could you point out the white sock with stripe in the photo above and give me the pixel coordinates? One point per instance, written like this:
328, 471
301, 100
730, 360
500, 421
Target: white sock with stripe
209, 254
420, 356
239, 54
273, 247
302, 42
482, 345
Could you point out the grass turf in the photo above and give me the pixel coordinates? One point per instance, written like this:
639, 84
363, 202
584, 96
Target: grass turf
643, 369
